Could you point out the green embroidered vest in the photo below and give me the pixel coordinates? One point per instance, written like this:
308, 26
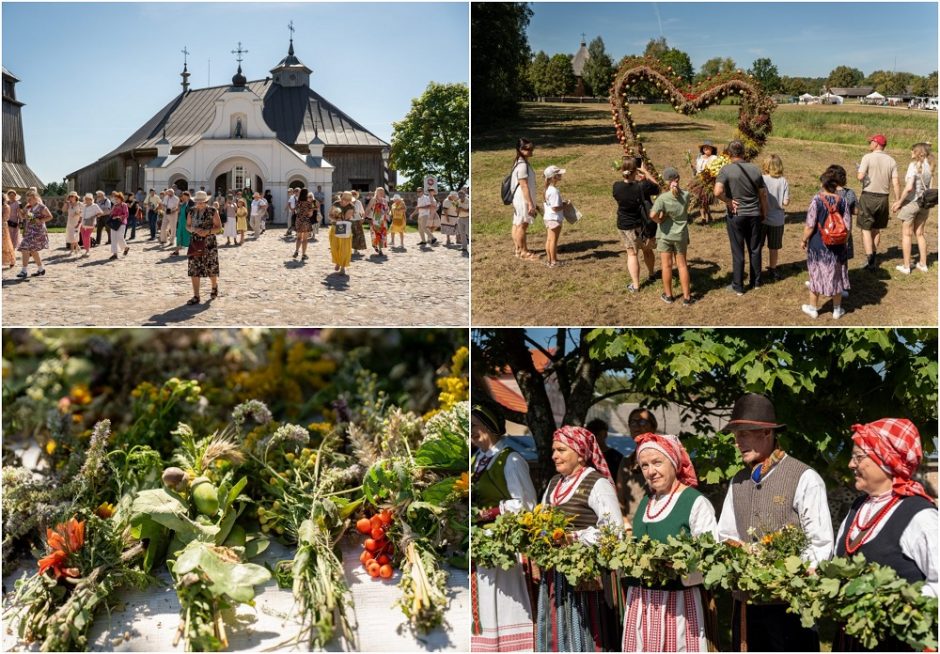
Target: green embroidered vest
490, 488
673, 524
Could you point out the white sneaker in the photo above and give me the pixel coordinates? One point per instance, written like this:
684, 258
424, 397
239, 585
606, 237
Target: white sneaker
903, 269
922, 268
810, 311
837, 313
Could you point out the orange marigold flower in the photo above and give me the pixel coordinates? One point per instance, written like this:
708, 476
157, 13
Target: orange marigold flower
66, 539
463, 483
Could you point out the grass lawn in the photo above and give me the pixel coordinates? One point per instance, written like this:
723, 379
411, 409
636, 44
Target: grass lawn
591, 288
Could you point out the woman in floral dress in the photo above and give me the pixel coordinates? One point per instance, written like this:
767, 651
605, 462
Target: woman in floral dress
378, 215
203, 223
33, 219
303, 211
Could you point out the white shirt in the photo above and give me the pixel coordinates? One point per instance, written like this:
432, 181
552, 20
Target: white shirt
518, 481
171, 204
259, 206
702, 162
918, 541
424, 206
602, 500
921, 181
90, 214
358, 211
778, 193
292, 201
810, 504
552, 200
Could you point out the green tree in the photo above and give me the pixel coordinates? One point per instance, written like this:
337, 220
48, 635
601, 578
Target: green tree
888, 82
925, 85
680, 62
56, 188
821, 382
656, 48
765, 72
844, 76
797, 85
499, 51
433, 136
715, 66
560, 79
598, 69
537, 74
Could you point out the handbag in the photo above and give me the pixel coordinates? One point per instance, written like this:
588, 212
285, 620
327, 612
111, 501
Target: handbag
197, 247
114, 224
928, 199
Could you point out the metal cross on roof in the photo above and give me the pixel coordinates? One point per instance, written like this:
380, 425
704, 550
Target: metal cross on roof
239, 52
582, 37
290, 26
185, 54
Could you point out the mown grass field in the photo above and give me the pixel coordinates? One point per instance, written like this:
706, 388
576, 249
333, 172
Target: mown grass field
590, 289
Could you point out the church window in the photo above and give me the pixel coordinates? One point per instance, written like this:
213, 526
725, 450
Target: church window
238, 174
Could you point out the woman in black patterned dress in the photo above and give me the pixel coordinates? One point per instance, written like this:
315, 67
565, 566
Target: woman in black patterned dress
204, 223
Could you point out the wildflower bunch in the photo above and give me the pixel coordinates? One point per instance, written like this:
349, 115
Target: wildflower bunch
254, 410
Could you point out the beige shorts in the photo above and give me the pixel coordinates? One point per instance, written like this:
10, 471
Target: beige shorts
632, 240
912, 212
552, 224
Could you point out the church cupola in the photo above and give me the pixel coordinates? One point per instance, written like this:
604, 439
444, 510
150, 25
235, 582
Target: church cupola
185, 73
291, 71
163, 146
238, 79
316, 151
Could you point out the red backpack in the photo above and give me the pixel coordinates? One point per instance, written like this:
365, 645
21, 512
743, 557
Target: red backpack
832, 230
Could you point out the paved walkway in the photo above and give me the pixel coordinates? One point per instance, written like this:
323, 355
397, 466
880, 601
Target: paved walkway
260, 285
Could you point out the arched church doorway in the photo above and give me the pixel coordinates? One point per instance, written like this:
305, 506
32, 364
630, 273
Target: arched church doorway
237, 178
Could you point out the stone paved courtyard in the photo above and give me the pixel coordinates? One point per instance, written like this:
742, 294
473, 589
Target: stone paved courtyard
260, 285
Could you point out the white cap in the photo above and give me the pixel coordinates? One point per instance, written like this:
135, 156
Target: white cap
551, 171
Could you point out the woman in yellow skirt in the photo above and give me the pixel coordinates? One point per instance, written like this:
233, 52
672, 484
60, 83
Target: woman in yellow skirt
341, 232
398, 219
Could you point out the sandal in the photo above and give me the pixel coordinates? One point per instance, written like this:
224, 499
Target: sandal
215, 292
193, 300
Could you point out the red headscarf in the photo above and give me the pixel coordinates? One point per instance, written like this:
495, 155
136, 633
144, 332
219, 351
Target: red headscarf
894, 444
671, 447
585, 446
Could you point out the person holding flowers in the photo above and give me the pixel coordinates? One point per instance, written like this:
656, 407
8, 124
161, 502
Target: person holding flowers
669, 618
502, 611
894, 521
772, 491
33, 218
576, 619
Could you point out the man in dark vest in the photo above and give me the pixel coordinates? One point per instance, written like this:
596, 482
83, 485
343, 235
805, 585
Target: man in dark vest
772, 491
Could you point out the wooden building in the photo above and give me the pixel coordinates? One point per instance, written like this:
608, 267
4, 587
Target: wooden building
266, 134
16, 174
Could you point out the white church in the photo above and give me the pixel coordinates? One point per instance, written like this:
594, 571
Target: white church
268, 134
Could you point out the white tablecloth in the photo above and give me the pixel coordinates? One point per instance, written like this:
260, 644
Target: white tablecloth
148, 620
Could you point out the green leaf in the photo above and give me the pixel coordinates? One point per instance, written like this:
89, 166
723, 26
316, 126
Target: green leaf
163, 508
447, 452
438, 493
234, 580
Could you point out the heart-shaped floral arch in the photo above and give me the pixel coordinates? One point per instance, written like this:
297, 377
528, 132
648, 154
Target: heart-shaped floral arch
754, 122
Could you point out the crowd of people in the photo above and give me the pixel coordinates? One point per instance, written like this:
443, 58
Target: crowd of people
654, 492
654, 219
192, 223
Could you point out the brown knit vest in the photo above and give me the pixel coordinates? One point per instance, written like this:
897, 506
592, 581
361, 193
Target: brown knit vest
767, 506
577, 506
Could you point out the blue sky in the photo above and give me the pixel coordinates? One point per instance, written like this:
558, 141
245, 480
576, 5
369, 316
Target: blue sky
92, 73
801, 38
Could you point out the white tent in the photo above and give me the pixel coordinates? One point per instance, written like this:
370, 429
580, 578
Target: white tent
830, 98
806, 98
874, 95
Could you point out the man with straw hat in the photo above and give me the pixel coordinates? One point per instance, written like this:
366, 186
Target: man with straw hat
774, 490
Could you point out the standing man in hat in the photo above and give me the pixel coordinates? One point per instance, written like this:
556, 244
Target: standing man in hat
878, 173
773, 490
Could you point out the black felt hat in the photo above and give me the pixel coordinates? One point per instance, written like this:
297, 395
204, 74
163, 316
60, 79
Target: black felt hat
751, 412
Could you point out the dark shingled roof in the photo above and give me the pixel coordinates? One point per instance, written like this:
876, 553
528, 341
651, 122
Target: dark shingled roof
295, 114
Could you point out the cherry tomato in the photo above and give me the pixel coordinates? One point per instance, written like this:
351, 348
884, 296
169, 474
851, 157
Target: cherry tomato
363, 526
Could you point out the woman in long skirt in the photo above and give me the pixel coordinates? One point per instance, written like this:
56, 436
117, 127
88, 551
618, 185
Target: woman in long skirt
502, 610
670, 618
340, 237
229, 230
828, 274
73, 213
182, 232
377, 211
9, 254
358, 235
578, 619
303, 212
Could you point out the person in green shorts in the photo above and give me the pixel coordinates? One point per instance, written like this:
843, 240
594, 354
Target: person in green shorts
671, 212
